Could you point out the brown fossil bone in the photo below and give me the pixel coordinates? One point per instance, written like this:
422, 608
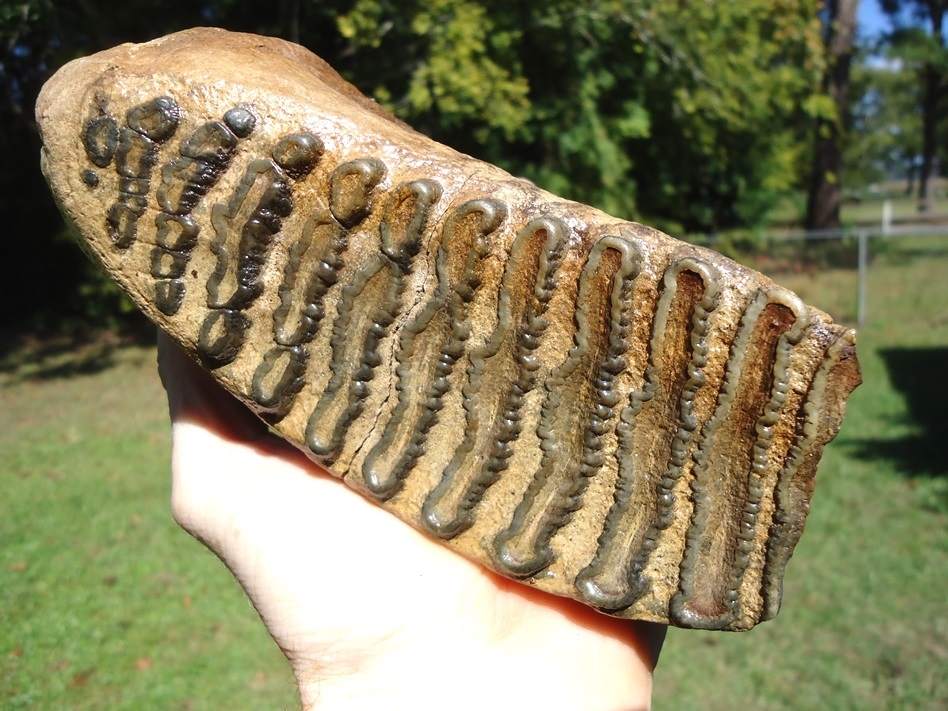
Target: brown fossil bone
577, 402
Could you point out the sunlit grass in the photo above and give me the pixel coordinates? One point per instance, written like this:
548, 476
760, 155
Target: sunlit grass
104, 602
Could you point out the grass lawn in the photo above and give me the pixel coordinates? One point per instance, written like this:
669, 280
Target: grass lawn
791, 209
105, 604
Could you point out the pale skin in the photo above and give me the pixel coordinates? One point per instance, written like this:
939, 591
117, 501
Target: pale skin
369, 612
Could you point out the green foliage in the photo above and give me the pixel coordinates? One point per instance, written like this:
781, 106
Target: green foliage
693, 116
731, 138
885, 136
918, 41
465, 73
686, 113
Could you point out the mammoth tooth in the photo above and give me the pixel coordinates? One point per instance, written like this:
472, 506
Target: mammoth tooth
431, 344
571, 400
577, 411
492, 405
654, 433
369, 307
727, 491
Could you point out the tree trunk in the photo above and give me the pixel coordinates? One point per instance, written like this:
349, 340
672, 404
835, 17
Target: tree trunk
290, 20
826, 187
933, 86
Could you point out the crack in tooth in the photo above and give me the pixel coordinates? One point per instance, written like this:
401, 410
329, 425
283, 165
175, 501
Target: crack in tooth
730, 462
654, 434
368, 308
501, 373
430, 346
578, 410
315, 260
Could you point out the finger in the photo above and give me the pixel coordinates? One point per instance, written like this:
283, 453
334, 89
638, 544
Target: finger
220, 450
195, 397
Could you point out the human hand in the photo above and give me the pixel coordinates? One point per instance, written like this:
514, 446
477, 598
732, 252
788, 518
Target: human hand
370, 613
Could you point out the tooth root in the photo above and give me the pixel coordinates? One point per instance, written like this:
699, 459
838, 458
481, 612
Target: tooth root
559, 395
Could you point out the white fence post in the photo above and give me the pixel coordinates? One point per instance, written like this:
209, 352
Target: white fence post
861, 277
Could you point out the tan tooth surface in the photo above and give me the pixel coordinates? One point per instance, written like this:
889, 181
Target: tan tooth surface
577, 402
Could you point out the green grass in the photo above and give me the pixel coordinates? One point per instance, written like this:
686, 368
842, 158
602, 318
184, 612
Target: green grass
791, 208
106, 604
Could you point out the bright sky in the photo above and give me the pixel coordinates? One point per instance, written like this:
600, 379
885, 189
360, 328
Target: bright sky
870, 19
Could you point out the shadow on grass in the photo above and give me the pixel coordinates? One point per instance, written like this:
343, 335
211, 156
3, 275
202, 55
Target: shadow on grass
919, 374
27, 354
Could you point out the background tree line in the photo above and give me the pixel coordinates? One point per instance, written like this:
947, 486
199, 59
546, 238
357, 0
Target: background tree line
694, 117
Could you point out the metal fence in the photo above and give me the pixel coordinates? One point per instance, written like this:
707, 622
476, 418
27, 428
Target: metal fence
860, 238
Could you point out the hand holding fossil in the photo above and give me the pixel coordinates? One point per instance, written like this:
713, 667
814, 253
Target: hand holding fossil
571, 400
369, 612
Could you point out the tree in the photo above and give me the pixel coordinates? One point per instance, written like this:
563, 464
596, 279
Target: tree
687, 113
683, 114
826, 180
926, 52
727, 140
886, 130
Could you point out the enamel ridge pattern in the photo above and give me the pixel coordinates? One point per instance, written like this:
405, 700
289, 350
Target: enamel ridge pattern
429, 350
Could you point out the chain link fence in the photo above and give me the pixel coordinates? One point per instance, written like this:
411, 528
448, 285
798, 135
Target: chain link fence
854, 273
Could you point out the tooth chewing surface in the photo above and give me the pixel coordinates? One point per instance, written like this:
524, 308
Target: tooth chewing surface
577, 402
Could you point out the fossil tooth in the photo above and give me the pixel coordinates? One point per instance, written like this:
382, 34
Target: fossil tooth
574, 401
